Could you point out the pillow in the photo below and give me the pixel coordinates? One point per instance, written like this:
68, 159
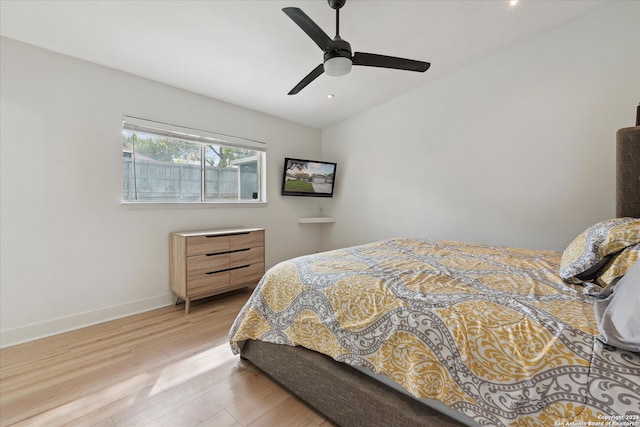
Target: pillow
618, 265
588, 252
618, 316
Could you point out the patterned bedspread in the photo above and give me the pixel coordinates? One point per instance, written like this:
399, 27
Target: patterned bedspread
492, 332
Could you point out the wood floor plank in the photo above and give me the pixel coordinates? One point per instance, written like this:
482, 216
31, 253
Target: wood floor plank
257, 404
172, 399
158, 368
202, 407
104, 423
290, 412
221, 419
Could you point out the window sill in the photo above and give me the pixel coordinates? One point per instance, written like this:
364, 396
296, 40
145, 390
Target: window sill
194, 205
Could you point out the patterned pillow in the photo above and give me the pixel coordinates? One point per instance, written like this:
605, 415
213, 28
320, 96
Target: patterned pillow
619, 265
588, 252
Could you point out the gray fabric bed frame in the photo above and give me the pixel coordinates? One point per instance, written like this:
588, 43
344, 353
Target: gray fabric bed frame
346, 396
351, 399
628, 172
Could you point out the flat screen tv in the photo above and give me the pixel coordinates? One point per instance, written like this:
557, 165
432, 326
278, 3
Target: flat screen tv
308, 178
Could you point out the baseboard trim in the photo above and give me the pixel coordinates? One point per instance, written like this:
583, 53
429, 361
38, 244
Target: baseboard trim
38, 330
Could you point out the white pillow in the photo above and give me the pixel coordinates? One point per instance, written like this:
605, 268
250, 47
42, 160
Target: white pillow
618, 315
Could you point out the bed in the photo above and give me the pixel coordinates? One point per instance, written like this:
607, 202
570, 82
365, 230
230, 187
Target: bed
407, 332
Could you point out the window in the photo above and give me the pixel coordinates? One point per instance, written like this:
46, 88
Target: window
172, 164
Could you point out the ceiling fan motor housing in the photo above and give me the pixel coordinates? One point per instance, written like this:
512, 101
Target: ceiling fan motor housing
337, 58
338, 48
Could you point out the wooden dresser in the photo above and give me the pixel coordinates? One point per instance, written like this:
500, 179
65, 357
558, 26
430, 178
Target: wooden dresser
210, 262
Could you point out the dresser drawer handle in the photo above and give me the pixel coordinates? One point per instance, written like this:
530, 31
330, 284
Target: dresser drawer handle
228, 269
228, 252
240, 250
209, 236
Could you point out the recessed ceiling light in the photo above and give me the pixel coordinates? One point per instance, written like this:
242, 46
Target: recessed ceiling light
329, 96
513, 3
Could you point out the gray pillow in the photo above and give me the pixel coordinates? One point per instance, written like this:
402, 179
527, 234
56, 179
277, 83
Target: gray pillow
618, 315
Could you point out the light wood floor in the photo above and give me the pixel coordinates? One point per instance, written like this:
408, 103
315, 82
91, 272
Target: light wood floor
160, 368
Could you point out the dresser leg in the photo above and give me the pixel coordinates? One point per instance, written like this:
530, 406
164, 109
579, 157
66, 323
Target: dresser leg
176, 298
187, 305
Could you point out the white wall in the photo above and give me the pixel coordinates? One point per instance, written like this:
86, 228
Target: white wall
518, 149
71, 254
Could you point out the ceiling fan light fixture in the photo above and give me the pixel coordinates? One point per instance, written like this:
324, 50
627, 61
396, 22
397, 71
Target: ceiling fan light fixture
337, 66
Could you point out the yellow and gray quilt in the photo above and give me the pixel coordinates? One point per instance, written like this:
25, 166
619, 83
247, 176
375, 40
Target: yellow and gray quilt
492, 332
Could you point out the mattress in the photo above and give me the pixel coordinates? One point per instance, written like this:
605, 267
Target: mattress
491, 332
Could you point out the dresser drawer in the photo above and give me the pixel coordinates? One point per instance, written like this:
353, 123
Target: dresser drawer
200, 245
201, 264
207, 283
246, 274
246, 256
246, 240
211, 244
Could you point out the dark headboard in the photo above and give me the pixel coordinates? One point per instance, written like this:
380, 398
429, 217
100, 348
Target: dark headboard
628, 172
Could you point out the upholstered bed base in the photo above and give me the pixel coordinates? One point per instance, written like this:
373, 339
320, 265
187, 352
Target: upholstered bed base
347, 396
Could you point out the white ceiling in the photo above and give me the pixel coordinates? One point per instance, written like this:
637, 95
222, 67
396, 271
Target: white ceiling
251, 54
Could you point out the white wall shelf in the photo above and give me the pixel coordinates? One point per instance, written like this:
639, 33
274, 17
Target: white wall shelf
316, 220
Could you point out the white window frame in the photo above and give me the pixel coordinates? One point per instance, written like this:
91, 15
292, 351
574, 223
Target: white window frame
202, 137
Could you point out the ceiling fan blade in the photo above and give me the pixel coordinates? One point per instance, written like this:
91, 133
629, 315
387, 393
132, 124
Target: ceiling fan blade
383, 61
308, 79
308, 26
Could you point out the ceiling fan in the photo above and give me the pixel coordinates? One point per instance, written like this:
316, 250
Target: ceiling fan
338, 58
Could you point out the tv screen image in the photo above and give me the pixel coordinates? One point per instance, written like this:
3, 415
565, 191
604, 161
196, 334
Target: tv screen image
308, 178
